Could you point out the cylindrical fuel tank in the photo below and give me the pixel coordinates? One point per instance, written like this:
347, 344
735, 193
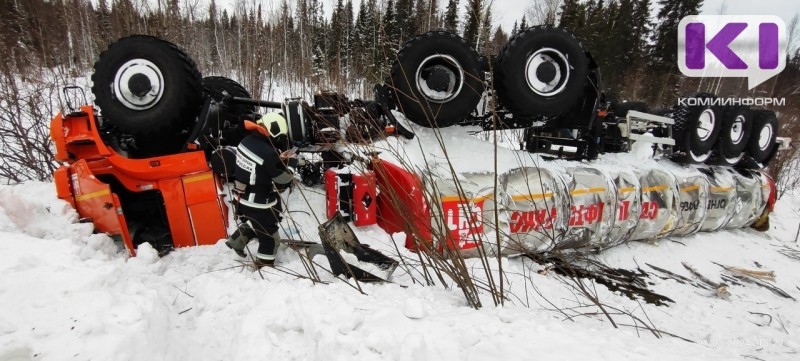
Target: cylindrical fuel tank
535, 209
693, 189
748, 202
629, 198
458, 217
659, 204
721, 203
593, 206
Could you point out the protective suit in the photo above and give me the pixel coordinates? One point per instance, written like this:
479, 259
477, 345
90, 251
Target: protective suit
261, 174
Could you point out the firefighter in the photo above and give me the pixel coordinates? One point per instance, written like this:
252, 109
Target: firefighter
261, 174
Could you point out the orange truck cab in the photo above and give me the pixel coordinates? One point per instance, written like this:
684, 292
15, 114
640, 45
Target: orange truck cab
170, 201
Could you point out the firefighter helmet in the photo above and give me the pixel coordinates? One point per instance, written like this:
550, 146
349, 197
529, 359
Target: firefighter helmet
274, 123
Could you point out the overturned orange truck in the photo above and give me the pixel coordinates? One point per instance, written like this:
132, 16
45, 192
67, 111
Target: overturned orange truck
147, 162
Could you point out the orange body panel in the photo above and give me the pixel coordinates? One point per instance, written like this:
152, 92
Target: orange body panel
93, 200
192, 202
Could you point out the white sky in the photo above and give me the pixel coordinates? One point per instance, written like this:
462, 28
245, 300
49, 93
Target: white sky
506, 12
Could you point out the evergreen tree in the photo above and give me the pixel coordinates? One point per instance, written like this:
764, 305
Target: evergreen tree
665, 35
451, 16
406, 20
473, 21
390, 26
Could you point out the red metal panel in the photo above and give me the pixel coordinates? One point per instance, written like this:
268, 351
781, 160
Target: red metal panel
402, 206
365, 210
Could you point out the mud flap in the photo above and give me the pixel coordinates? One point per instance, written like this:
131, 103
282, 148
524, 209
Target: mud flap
349, 257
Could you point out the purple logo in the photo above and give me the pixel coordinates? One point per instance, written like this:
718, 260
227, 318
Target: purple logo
752, 46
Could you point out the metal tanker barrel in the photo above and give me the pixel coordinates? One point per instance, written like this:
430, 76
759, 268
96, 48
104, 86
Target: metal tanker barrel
721, 202
749, 201
535, 210
693, 196
765, 190
659, 204
592, 208
458, 216
629, 197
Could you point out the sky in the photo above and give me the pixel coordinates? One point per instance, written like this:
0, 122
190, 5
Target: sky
506, 12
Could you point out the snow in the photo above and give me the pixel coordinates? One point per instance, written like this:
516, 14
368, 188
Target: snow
68, 293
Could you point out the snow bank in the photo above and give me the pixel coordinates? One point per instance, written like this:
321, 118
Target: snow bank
66, 293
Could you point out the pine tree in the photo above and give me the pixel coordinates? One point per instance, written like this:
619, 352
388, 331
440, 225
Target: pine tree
390, 26
451, 16
473, 21
406, 20
571, 19
665, 34
499, 40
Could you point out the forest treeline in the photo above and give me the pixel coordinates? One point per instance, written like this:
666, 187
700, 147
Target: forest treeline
295, 44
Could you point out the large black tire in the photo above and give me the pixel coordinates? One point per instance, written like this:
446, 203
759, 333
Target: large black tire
734, 135
696, 131
761, 146
145, 86
436, 80
541, 71
226, 121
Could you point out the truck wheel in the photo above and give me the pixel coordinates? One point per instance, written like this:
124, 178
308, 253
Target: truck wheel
734, 135
541, 71
436, 80
225, 121
696, 130
761, 144
145, 85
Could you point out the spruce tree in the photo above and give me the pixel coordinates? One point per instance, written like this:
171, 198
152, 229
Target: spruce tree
473, 21
665, 35
451, 16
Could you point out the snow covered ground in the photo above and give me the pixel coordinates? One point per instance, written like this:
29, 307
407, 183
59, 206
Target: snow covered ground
66, 293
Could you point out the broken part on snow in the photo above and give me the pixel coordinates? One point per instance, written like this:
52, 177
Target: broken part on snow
350, 257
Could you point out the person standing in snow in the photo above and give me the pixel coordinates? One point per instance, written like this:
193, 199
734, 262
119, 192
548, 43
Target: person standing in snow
261, 173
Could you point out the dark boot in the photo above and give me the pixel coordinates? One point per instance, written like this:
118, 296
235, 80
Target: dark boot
238, 240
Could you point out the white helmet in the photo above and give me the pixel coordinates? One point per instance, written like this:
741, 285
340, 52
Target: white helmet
274, 123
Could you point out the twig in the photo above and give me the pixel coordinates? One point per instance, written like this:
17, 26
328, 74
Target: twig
761, 314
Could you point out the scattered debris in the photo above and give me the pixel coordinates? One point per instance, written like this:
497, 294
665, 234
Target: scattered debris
758, 278
720, 289
680, 279
631, 283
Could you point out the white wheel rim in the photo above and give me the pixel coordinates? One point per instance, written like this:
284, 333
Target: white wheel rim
764, 137
547, 57
441, 64
737, 130
705, 124
734, 160
699, 158
139, 84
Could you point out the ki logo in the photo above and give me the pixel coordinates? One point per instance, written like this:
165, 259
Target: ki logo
751, 46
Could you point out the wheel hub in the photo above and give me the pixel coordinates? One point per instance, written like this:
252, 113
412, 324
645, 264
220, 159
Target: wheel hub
764, 137
547, 71
737, 130
138, 84
705, 124
439, 78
